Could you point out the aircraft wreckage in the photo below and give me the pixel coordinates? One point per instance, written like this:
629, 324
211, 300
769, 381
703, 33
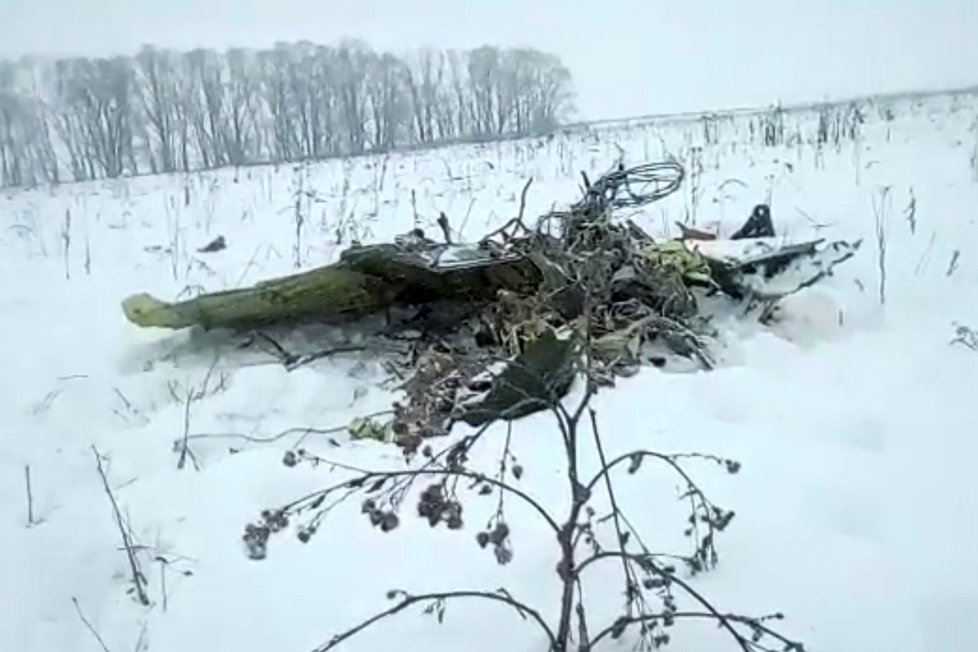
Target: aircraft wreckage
502, 322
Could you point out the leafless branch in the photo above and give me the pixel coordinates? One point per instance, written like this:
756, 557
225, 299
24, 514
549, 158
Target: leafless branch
192, 396
138, 579
302, 431
408, 600
526, 188
81, 615
880, 215
745, 643
30, 497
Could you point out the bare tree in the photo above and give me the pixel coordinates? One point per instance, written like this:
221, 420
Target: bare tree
41, 141
96, 115
159, 97
205, 105
550, 98
27, 154
68, 122
385, 88
425, 81
483, 66
464, 117
352, 64
241, 104
12, 118
312, 94
276, 70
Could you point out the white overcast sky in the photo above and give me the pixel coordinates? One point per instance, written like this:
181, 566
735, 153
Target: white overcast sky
628, 57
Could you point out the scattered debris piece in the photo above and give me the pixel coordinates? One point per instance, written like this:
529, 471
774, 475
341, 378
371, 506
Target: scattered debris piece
217, 244
370, 428
966, 336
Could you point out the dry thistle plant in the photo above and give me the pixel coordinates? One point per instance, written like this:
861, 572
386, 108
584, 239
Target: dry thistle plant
656, 587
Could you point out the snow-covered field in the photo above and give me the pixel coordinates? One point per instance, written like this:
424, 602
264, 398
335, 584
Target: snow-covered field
857, 503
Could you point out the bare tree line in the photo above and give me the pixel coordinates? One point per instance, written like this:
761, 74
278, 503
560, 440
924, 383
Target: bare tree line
164, 111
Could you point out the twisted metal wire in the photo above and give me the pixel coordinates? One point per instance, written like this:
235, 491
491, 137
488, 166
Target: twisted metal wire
633, 187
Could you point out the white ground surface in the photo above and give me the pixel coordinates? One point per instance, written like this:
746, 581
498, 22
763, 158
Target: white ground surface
857, 504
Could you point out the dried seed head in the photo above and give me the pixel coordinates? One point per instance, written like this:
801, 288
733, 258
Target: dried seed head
389, 521
290, 459
499, 533
654, 583
276, 520
433, 492
482, 538
256, 541
634, 462
618, 628
504, 555
376, 517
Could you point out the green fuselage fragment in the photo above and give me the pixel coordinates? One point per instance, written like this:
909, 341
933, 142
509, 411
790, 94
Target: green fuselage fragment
365, 281
328, 294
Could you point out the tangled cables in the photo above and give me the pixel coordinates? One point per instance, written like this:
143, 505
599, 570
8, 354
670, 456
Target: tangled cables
632, 187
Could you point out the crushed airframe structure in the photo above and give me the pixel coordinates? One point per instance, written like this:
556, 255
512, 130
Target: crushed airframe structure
501, 323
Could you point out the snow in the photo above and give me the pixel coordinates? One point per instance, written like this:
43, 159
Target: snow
853, 420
